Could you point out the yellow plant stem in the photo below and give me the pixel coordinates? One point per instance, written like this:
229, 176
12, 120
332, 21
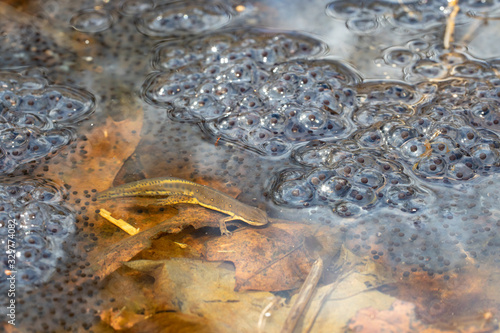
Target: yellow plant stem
129, 229
450, 23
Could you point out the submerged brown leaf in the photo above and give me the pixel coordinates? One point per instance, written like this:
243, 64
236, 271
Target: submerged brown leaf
275, 258
204, 289
120, 319
463, 298
401, 317
171, 322
100, 157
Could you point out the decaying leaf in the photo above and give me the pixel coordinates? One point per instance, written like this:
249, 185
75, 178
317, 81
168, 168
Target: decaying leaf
100, 157
464, 297
171, 322
120, 319
401, 317
204, 289
273, 258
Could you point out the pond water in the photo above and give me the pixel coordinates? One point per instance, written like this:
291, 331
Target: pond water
367, 130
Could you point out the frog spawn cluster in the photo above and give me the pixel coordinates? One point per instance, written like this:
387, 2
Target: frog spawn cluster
42, 222
246, 90
183, 18
444, 132
426, 59
436, 139
369, 16
349, 179
243, 87
453, 133
159, 20
36, 118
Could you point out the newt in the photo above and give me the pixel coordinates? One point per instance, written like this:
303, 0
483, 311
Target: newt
171, 191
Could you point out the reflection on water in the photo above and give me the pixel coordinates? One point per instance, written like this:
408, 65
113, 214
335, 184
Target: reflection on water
360, 126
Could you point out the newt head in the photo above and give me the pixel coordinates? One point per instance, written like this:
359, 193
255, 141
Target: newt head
252, 216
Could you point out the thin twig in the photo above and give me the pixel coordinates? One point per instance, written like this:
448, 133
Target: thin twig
450, 23
341, 275
472, 31
262, 316
304, 296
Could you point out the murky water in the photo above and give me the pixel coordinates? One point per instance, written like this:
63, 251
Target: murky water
345, 116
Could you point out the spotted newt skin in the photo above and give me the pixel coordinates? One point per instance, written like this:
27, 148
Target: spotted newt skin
170, 191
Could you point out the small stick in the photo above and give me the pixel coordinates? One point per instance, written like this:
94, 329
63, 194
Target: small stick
472, 30
129, 229
304, 296
263, 313
450, 23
